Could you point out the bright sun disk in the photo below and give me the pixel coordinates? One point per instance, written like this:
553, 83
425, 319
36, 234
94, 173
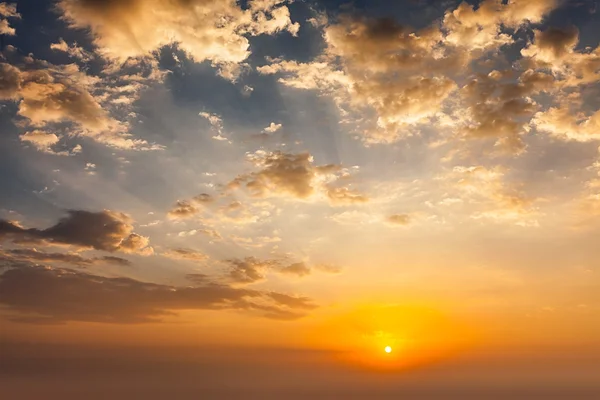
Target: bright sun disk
388, 349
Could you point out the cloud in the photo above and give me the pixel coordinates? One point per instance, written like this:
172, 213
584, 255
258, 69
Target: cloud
389, 80
249, 270
185, 254
481, 28
49, 95
293, 175
73, 50
552, 45
8, 10
565, 123
252, 270
10, 82
495, 106
183, 209
399, 219
47, 295
272, 128
207, 30
188, 208
217, 126
298, 269
35, 256
329, 268
41, 140
343, 195
106, 230
491, 198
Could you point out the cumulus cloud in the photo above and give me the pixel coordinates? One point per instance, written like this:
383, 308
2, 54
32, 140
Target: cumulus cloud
188, 208
272, 128
207, 30
249, 270
53, 94
294, 175
481, 28
106, 230
7, 11
496, 106
389, 80
46, 295
565, 123
74, 51
43, 141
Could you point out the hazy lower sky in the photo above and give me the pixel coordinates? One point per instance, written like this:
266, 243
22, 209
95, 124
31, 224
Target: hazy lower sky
254, 198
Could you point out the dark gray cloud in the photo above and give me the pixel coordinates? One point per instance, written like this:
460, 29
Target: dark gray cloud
105, 230
38, 294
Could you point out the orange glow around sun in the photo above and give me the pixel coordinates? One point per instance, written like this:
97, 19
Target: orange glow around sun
409, 335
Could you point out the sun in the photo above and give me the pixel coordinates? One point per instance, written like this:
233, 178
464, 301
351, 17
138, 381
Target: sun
388, 349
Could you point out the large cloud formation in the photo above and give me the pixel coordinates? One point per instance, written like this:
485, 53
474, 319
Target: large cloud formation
49, 95
391, 81
106, 230
37, 294
213, 30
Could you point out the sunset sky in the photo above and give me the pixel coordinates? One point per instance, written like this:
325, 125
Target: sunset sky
269, 193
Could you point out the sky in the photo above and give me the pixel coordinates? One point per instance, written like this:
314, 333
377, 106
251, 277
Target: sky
253, 199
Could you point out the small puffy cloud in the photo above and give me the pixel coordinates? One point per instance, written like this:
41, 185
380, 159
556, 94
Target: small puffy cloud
188, 208
399, 219
106, 230
249, 270
46, 295
185, 254
217, 125
343, 195
298, 269
73, 50
294, 175
272, 128
183, 209
136, 244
